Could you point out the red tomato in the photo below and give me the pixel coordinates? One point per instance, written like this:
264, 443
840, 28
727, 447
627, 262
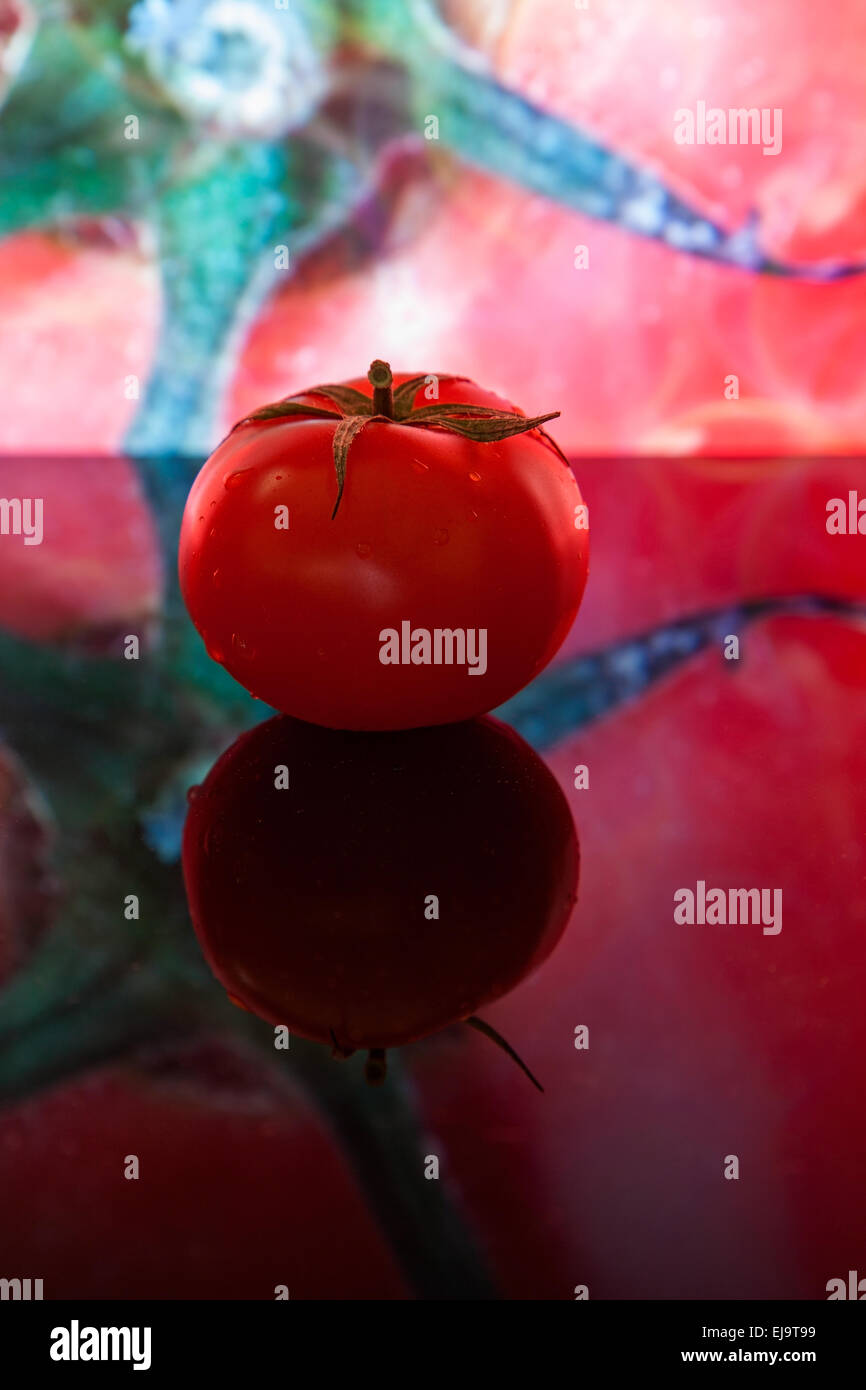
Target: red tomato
397, 884
96, 571
335, 619
99, 1236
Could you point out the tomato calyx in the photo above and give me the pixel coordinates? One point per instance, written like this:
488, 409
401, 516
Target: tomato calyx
482, 423
488, 1031
376, 1066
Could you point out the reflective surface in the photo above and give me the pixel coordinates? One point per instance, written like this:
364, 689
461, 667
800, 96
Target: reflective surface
667, 1048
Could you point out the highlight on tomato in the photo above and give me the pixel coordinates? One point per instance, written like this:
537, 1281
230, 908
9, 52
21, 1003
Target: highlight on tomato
366, 890
386, 554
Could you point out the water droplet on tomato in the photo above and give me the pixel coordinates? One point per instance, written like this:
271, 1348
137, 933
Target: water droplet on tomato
420, 466
363, 549
240, 645
440, 536
473, 516
475, 477
232, 479
193, 792
215, 653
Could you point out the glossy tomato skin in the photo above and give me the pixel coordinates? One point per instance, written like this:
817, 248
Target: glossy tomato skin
433, 529
313, 903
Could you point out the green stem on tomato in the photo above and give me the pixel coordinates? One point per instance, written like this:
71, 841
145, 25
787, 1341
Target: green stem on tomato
381, 380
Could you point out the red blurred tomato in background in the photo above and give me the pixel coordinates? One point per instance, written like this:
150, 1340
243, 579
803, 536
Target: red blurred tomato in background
476, 275
704, 1041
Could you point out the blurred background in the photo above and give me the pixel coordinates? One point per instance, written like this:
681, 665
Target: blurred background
220, 202
209, 204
